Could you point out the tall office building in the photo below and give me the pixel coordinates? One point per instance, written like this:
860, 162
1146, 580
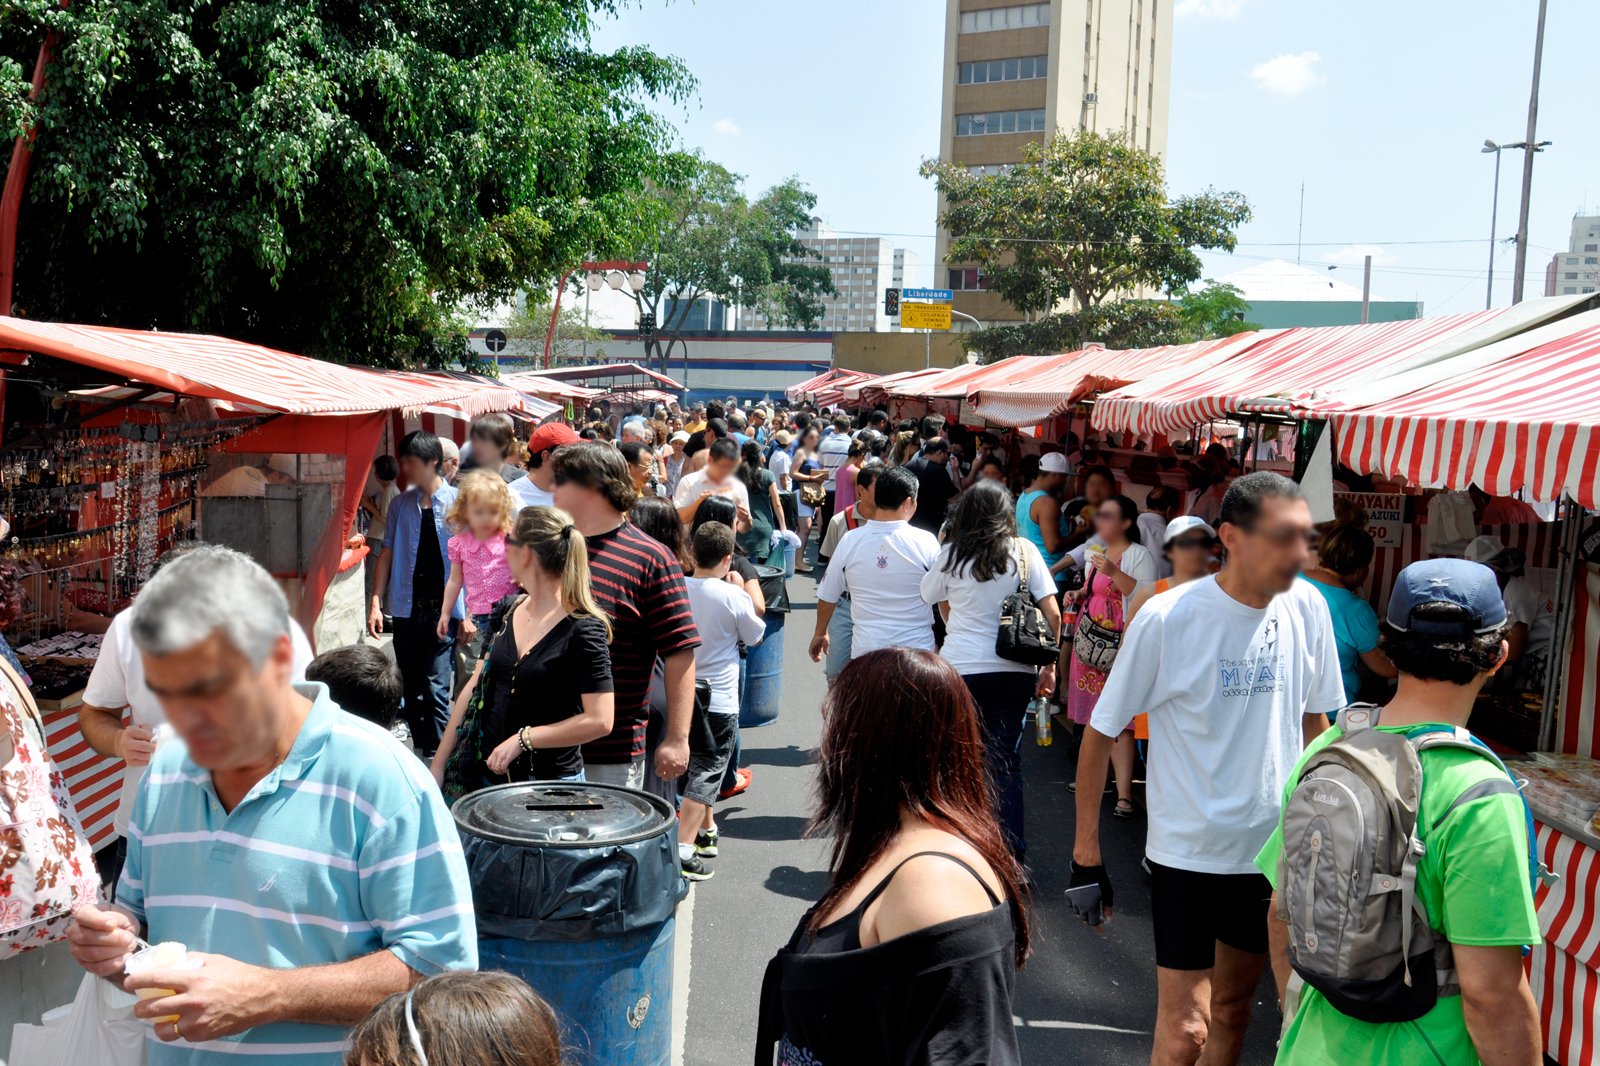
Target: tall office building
1576, 270
862, 268
1015, 73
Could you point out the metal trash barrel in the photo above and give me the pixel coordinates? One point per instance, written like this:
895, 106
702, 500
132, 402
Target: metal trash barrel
575, 886
761, 678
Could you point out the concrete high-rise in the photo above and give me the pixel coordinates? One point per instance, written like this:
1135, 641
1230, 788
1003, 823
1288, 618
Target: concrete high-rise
862, 267
1576, 270
1017, 73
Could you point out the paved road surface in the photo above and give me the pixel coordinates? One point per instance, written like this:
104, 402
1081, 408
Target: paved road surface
1082, 998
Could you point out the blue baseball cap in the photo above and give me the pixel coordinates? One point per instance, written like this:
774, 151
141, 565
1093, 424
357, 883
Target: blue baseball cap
1470, 586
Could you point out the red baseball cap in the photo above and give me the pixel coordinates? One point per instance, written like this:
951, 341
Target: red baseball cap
551, 435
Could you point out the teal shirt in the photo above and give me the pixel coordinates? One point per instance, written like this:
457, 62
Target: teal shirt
1028, 528
1355, 631
344, 850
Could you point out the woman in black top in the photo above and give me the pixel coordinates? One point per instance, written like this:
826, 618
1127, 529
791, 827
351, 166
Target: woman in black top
911, 955
548, 677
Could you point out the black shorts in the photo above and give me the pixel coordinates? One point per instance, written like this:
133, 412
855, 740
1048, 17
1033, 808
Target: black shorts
1192, 912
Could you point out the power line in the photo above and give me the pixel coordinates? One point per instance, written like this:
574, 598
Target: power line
1241, 244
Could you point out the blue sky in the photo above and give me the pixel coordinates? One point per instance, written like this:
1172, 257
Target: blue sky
1379, 108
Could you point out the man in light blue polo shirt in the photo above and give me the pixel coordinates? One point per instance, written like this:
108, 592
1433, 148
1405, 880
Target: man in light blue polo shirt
302, 852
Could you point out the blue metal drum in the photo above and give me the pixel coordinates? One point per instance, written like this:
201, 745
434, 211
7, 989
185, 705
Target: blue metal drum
763, 676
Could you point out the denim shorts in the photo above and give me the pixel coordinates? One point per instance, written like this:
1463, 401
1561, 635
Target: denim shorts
703, 782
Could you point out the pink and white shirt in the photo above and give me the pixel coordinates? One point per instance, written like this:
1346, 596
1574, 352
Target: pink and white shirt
485, 575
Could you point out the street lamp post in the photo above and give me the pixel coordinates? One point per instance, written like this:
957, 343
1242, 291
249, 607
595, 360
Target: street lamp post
1527, 160
612, 272
1494, 215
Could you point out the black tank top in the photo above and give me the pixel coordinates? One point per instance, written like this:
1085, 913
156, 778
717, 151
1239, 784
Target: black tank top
844, 933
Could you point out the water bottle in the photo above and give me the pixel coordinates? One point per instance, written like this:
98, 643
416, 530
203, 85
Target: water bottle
1040, 709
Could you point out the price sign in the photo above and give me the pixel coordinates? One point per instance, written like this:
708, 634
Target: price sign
1386, 515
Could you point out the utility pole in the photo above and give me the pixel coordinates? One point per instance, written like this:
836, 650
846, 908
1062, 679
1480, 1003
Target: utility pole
1527, 159
1494, 215
1366, 289
1300, 231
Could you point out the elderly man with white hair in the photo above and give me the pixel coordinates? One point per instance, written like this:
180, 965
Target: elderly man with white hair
301, 854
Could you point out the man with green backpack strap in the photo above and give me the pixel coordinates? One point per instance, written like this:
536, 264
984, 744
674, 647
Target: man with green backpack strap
1403, 884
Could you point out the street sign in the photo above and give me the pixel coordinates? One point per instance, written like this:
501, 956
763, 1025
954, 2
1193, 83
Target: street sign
495, 340
939, 296
924, 316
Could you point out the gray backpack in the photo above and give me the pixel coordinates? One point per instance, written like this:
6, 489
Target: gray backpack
1347, 876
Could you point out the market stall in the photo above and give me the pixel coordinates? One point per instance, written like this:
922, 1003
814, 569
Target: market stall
831, 378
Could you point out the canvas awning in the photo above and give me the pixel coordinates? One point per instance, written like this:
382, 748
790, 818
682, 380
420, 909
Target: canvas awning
598, 376
1292, 368
831, 378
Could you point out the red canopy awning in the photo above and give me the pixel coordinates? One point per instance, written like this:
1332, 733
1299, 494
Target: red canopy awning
831, 378
217, 368
595, 376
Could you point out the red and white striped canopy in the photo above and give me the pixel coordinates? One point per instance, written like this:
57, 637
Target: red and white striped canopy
831, 378
1285, 371
875, 391
196, 364
1528, 423
1075, 376
601, 375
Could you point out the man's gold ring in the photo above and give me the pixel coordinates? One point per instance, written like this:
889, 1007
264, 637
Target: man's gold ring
177, 1033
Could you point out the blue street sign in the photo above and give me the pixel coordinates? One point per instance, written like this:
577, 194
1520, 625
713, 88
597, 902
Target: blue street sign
942, 296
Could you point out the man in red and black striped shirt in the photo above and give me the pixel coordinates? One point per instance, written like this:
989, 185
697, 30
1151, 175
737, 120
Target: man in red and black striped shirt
640, 586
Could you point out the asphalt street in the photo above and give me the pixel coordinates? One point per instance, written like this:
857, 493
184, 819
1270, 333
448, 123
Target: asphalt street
1082, 997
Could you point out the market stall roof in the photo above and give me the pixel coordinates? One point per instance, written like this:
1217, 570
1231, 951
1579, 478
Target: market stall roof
1072, 377
1284, 370
832, 377
217, 368
501, 395
957, 382
876, 390
605, 373
1520, 415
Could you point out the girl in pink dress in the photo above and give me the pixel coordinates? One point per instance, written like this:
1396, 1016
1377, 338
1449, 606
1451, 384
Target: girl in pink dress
482, 515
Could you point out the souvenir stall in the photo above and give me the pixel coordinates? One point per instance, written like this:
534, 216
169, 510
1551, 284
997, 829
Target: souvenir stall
112, 439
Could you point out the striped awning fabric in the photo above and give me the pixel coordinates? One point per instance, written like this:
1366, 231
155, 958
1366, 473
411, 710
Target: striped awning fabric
600, 375
1078, 375
831, 378
217, 368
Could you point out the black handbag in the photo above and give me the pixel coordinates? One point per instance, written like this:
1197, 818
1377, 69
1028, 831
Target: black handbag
1024, 635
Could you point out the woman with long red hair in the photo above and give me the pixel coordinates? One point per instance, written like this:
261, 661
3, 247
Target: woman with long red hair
912, 953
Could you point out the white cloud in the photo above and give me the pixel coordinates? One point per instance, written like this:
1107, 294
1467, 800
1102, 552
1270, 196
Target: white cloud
1287, 75
1209, 9
1355, 255
726, 126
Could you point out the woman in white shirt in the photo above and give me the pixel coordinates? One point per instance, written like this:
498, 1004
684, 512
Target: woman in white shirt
982, 562
1117, 571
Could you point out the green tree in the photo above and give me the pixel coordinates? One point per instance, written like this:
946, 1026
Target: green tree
575, 342
1119, 324
334, 179
714, 242
1217, 310
1083, 221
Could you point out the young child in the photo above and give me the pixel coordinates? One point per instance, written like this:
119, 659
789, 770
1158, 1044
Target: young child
362, 680
725, 615
482, 514
457, 1018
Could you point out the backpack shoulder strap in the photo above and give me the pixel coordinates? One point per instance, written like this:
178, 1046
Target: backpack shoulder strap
1359, 717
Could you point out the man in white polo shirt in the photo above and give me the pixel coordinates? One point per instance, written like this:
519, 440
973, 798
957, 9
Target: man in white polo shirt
880, 564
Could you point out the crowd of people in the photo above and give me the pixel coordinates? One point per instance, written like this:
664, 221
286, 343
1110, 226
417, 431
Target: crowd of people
575, 607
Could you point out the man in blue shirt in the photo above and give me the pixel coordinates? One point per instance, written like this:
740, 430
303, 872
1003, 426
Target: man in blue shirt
412, 568
301, 853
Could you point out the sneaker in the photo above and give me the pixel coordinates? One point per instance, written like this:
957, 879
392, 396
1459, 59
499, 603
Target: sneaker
705, 844
695, 870
741, 781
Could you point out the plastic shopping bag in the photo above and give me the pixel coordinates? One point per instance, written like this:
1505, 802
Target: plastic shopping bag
97, 1027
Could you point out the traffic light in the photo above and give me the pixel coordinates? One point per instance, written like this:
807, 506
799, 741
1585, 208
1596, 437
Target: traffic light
647, 324
891, 302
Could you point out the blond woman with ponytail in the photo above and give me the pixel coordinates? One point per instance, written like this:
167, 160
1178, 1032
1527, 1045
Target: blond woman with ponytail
546, 670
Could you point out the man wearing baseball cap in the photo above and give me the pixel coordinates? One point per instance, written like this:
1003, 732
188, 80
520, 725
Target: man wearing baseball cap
1446, 632
538, 488
1039, 512
1529, 593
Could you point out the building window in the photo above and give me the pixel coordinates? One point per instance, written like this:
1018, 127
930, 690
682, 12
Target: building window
970, 278
1590, 260
1019, 17
1030, 121
1570, 290
1571, 275
1588, 288
1026, 68
1591, 247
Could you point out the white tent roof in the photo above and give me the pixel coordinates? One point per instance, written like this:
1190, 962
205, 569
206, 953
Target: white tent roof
1278, 280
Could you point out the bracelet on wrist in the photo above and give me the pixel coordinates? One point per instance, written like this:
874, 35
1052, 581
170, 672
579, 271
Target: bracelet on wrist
522, 739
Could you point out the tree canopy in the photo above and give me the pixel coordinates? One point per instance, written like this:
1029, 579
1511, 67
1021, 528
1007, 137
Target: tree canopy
1083, 221
334, 179
714, 242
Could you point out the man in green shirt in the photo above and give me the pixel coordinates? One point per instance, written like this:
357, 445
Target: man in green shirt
1445, 631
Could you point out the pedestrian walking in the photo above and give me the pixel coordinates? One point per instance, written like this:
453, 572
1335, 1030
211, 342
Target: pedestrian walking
881, 566
639, 586
911, 954
935, 489
342, 882
481, 1019
1118, 567
492, 439
840, 625
831, 453
1344, 560
538, 488
1039, 511
412, 569
1445, 631
808, 477
482, 515
718, 477
983, 562
1236, 671
672, 460
543, 686
362, 680
642, 467
766, 510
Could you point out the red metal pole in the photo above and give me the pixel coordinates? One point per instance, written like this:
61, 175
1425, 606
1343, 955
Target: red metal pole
17, 179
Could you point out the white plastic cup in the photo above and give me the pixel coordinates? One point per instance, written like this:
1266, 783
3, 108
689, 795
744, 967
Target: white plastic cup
167, 955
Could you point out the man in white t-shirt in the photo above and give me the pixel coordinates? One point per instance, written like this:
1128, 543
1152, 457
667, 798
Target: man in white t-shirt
117, 683
538, 488
1237, 672
840, 626
716, 478
881, 565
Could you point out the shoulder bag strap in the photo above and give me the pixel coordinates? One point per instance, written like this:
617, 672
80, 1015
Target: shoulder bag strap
1021, 555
